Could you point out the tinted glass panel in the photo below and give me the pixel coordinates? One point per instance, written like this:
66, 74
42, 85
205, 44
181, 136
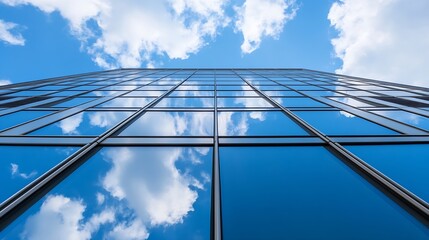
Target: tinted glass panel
299, 102
257, 123
66, 93
73, 102
243, 102
16, 118
84, 123
144, 94
354, 102
282, 93
304, 193
23, 102
402, 101
408, 165
171, 124
29, 93
406, 117
126, 193
237, 93
127, 102
192, 93
186, 102
21, 165
342, 123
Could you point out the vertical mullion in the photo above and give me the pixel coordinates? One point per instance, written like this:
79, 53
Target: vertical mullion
216, 218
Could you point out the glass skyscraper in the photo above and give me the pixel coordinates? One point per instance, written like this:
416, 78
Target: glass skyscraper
214, 154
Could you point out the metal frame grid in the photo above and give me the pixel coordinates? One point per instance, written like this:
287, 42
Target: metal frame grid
319, 91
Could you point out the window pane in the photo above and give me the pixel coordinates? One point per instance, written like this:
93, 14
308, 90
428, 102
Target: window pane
282, 93
171, 124
299, 102
155, 193
156, 88
102, 93
321, 93
406, 117
232, 87
196, 88
127, 102
29, 93
192, 93
354, 102
144, 94
16, 118
305, 193
272, 88
84, 123
342, 123
243, 102
257, 123
407, 165
66, 93
186, 102
21, 165
237, 93
73, 102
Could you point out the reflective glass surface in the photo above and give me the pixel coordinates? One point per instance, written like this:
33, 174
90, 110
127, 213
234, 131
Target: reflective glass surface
282, 93
29, 93
126, 193
186, 102
236, 94
191, 93
232, 87
242, 102
353, 102
73, 102
257, 123
20, 165
407, 165
127, 102
299, 102
406, 117
102, 93
16, 118
84, 123
144, 94
304, 193
342, 123
67, 93
321, 93
195, 88
277, 181
171, 124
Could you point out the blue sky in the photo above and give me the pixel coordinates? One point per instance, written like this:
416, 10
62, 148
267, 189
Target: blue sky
383, 39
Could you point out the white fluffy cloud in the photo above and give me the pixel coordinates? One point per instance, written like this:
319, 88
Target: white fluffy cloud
128, 32
383, 39
260, 18
70, 124
165, 196
8, 35
4, 82
62, 218
135, 230
173, 124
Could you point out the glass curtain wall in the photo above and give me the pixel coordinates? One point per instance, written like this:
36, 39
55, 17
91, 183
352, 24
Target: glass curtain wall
213, 154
